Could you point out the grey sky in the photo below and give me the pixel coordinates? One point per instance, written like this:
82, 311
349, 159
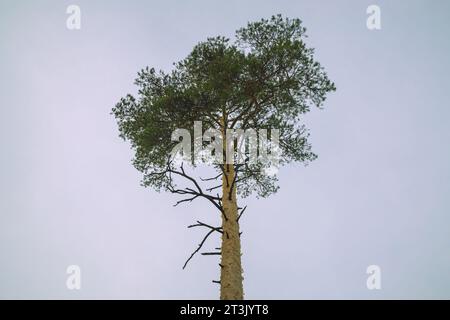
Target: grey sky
377, 194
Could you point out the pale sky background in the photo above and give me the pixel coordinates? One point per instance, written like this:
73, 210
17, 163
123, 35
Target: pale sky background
378, 194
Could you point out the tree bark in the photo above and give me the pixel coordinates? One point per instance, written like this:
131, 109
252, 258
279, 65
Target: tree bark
231, 287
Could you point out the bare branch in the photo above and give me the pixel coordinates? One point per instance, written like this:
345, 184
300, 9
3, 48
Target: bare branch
201, 224
211, 253
213, 178
212, 188
199, 247
240, 214
185, 200
195, 193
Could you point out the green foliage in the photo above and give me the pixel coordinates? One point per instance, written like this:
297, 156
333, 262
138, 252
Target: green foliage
266, 78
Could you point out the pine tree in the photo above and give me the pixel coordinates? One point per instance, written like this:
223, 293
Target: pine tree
266, 79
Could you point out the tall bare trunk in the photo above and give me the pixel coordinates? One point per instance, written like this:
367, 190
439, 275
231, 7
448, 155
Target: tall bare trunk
231, 287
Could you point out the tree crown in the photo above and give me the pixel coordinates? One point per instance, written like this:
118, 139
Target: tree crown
266, 78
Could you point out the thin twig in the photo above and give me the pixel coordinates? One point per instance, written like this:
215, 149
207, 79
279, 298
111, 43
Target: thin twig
199, 247
211, 253
240, 214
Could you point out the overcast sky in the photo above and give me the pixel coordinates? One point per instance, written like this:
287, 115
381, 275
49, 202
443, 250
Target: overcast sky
377, 195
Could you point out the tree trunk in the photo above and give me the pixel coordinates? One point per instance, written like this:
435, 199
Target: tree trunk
231, 287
